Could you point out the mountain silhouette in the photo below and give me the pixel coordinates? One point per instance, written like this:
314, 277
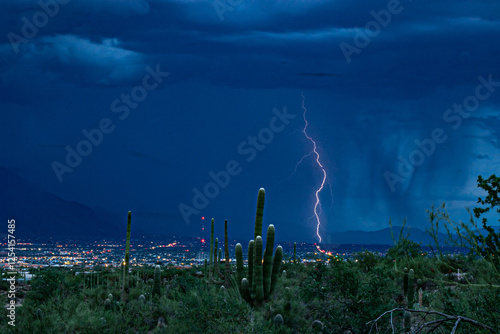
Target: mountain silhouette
39, 213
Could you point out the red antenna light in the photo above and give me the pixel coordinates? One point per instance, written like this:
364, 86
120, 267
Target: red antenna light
203, 218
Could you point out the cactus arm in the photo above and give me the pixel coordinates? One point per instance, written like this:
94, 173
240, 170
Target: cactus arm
226, 257
268, 260
216, 265
240, 269
216, 269
251, 246
257, 272
260, 212
217, 260
278, 256
245, 290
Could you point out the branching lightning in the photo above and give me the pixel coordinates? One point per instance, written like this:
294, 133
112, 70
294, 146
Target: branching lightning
315, 151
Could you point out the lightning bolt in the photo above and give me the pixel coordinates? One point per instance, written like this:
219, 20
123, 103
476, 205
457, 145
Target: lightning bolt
315, 151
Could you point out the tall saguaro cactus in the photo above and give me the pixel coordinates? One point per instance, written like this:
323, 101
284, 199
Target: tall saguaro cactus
125, 286
259, 282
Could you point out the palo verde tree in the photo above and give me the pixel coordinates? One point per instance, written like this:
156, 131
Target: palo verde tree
489, 245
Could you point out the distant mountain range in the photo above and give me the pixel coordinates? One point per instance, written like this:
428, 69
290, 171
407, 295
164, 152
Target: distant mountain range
39, 213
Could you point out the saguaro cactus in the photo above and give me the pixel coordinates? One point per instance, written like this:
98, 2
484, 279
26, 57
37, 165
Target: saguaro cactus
39, 313
317, 326
107, 304
125, 287
240, 269
206, 269
294, 252
226, 256
411, 290
278, 320
214, 266
217, 271
157, 282
408, 289
259, 282
405, 282
210, 264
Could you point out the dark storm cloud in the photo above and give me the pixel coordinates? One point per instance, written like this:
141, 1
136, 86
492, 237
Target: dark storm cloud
268, 44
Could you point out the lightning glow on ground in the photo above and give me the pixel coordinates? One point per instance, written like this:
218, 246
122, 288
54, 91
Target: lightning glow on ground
304, 131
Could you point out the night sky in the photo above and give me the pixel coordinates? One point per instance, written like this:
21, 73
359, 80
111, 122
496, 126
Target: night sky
131, 105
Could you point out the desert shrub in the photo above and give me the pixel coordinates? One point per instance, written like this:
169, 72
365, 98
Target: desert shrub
210, 310
366, 260
46, 284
